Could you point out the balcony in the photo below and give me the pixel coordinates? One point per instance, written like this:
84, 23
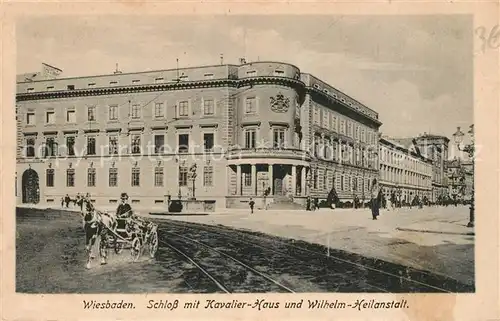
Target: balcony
242, 153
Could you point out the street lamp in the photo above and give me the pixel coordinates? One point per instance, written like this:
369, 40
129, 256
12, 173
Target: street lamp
469, 149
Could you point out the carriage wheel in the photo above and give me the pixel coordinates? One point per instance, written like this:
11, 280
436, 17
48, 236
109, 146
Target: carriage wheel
135, 249
153, 244
118, 247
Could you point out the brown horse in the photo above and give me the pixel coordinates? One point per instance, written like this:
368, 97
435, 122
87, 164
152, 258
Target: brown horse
96, 224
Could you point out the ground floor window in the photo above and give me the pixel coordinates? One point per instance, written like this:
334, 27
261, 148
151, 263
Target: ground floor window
70, 177
183, 171
136, 173
113, 177
158, 176
208, 173
50, 177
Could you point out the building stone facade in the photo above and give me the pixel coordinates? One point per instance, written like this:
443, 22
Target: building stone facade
460, 179
221, 133
404, 171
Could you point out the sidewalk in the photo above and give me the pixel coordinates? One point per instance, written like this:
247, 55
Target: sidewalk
434, 239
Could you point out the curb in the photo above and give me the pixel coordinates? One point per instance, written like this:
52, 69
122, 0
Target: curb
177, 214
434, 232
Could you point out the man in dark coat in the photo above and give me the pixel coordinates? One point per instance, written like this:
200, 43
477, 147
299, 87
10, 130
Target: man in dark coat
124, 210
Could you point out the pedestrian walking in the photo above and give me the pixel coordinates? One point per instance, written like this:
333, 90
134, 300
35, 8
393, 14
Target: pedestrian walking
375, 199
67, 200
316, 203
308, 203
252, 204
62, 202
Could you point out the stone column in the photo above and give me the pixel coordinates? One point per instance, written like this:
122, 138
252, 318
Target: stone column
303, 181
270, 171
294, 180
238, 179
254, 179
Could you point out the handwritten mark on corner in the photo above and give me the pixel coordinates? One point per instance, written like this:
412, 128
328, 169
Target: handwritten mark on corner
489, 40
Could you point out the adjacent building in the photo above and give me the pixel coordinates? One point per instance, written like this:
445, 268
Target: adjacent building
460, 179
435, 148
220, 134
404, 171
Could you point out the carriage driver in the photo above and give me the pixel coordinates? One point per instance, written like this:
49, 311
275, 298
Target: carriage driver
124, 210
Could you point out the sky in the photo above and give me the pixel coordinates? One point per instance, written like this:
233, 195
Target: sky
415, 71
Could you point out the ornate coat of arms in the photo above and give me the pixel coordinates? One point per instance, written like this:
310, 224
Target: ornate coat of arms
280, 104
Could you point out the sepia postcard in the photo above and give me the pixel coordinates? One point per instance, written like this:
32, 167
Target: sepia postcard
207, 161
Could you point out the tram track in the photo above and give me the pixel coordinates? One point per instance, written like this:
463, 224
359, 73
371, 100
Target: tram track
305, 283
399, 280
204, 267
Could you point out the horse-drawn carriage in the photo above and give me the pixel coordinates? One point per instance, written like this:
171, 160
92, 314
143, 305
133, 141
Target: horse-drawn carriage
135, 234
117, 233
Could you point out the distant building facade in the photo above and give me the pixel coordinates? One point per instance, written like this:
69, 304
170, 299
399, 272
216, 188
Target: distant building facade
460, 179
223, 133
435, 148
404, 171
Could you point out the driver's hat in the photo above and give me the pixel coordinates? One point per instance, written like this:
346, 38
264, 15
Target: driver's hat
124, 196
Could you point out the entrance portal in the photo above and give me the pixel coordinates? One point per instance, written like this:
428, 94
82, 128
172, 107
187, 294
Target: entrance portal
30, 188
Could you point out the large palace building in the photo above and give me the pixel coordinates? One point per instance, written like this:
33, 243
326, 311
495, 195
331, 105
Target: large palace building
220, 134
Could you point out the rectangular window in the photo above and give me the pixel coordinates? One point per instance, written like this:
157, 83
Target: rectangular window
91, 146
209, 76
30, 147
50, 88
183, 108
159, 176
113, 177
247, 179
159, 80
334, 123
50, 177
159, 144
136, 81
92, 84
50, 117
184, 78
136, 144
183, 172
183, 143
250, 138
30, 90
208, 107
114, 82
50, 147
135, 113
70, 145
316, 115
71, 116
279, 137
250, 105
136, 175
91, 113
159, 110
251, 73
280, 73
91, 177
113, 145
70, 177
30, 118
208, 142
208, 175
113, 112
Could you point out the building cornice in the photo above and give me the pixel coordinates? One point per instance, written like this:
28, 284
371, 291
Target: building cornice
358, 110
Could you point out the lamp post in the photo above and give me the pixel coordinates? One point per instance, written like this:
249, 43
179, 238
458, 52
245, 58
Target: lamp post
458, 136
